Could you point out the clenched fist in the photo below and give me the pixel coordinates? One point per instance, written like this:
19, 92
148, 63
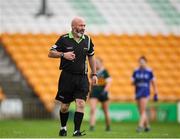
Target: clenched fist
69, 55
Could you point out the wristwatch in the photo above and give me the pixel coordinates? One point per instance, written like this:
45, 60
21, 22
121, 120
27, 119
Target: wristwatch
61, 55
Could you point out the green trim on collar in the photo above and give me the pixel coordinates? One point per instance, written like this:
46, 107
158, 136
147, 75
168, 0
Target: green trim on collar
72, 37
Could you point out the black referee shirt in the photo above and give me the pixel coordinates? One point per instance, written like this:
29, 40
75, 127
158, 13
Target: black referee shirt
82, 49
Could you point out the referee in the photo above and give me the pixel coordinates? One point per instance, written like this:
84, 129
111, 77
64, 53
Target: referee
74, 48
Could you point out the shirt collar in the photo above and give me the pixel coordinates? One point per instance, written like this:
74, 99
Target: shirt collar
71, 36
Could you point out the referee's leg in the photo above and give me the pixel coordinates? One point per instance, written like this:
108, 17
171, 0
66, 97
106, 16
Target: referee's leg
80, 96
78, 117
63, 114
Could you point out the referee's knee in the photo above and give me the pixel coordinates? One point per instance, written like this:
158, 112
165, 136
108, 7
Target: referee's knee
64, 108
80, 104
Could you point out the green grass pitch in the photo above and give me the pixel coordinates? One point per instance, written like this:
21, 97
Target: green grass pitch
49, 129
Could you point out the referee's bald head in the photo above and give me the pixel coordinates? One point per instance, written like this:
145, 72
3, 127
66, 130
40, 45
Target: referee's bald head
78, 26
77, 20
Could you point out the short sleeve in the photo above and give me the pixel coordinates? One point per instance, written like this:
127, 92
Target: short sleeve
106, 74
58, 45
90, 48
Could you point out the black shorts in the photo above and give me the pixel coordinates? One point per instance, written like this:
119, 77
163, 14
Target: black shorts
101, 96
72, 86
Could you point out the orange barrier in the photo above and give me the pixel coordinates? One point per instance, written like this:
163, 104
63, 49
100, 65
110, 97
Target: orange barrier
119, 52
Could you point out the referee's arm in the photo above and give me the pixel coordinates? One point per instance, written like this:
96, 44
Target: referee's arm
56, 54
56, 51
92, 64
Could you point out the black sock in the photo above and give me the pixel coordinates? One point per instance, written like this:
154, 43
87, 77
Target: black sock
63, 118
78, 117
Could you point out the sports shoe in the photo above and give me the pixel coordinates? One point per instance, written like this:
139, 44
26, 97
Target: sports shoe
79, 133
62, 132
139, 129
91, 128
108, 128
147, 129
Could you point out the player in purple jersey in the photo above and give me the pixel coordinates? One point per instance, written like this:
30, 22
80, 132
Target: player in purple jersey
142, 79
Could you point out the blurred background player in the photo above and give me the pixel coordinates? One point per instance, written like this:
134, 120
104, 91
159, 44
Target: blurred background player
99, 93
142, 78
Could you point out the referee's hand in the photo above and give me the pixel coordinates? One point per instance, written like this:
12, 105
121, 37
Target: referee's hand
94, 80
69, 55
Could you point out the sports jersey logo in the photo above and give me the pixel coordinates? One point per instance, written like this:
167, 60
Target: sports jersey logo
69, 48
142, 76
101, 81
85, 50
142, 84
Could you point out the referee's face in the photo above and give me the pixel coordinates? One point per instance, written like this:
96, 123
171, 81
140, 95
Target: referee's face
79, 27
